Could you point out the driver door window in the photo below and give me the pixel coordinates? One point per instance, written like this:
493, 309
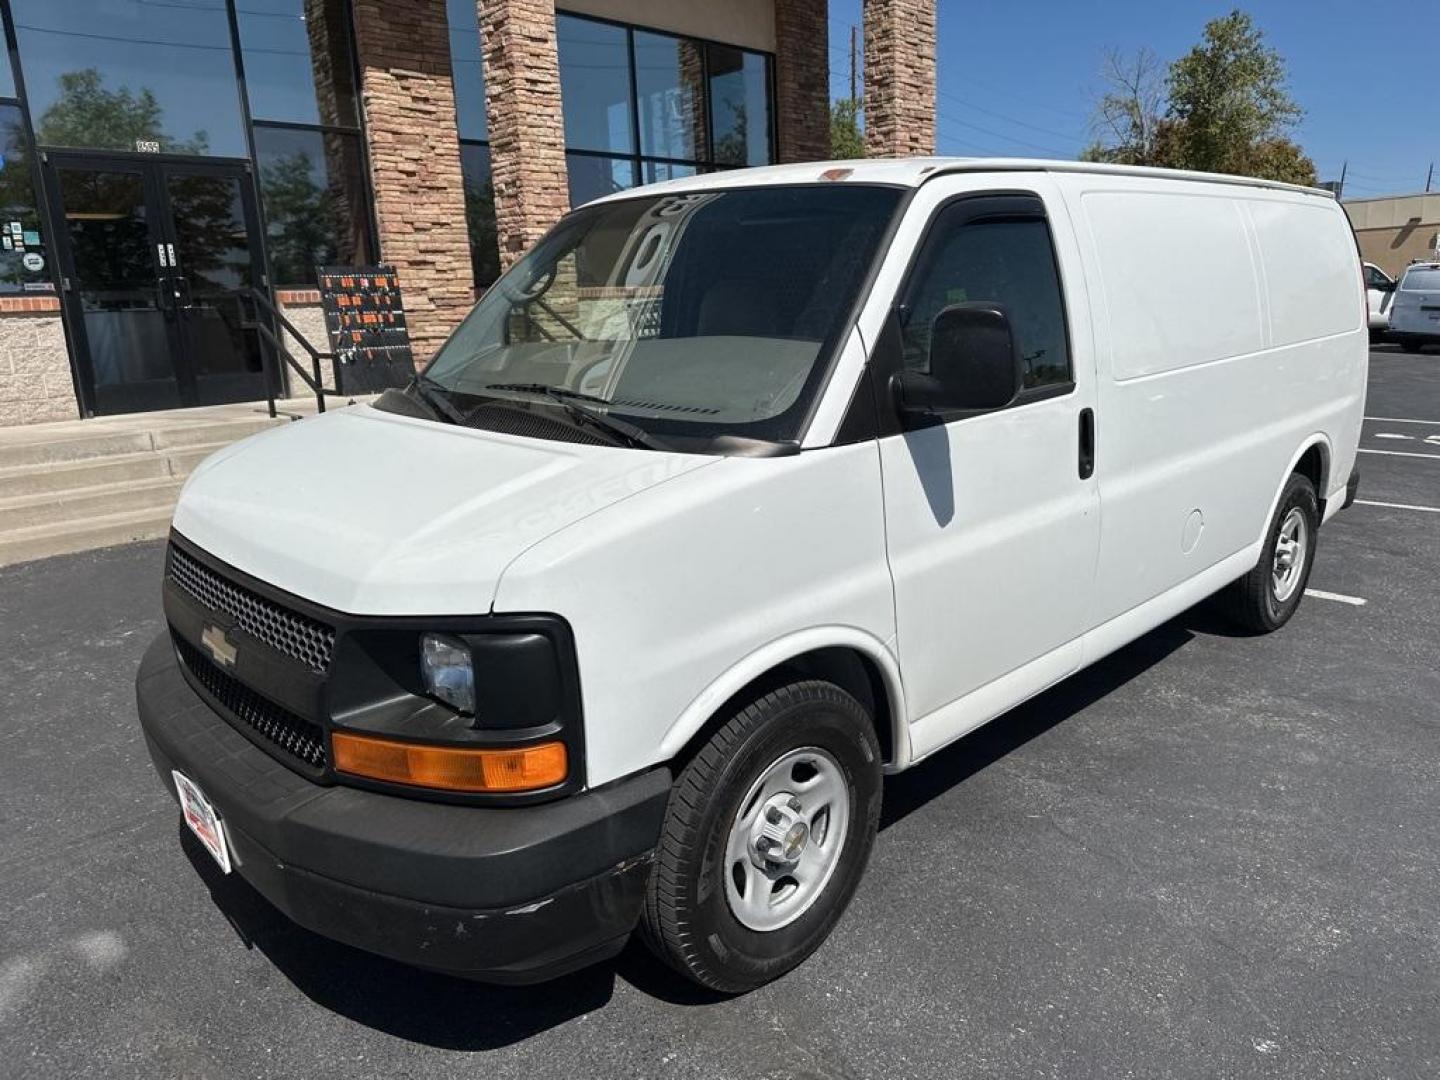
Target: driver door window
1009, 261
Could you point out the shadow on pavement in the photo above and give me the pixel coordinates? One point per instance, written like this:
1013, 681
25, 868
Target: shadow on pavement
407, 1002
454, 1014
912, 789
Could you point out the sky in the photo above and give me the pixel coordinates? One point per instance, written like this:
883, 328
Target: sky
1020, 77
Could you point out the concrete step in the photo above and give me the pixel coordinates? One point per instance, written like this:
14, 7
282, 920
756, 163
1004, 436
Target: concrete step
42, 541
21, 447
85, 504
95, 472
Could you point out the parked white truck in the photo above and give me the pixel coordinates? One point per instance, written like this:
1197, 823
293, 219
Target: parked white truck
734, 494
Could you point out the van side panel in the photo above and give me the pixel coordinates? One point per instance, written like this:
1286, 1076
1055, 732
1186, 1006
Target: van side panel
1216, 368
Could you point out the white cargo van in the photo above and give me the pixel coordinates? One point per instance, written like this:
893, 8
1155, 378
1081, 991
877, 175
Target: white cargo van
732, 495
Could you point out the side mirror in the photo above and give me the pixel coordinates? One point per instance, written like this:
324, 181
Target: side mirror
974, 365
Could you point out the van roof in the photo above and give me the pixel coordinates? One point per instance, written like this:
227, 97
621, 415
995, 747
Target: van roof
912, 172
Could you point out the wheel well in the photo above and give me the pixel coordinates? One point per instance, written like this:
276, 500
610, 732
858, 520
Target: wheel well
847, 668
1312, 466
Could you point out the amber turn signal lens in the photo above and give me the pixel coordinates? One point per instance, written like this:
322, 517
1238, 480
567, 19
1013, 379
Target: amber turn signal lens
449, 768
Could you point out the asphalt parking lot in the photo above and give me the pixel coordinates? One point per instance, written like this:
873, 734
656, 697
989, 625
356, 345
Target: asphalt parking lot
1208, 855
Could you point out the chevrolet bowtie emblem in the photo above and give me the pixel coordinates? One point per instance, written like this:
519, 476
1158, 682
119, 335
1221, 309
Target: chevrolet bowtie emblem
220, 648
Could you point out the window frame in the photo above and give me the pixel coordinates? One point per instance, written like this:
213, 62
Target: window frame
975, 207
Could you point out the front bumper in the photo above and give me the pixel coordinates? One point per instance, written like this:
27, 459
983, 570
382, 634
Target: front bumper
503, 894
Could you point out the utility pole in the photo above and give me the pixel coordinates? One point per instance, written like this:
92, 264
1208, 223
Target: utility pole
1428, 177
1340, 191
852, 66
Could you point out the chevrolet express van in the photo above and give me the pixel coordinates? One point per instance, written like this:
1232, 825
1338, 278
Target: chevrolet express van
734, 494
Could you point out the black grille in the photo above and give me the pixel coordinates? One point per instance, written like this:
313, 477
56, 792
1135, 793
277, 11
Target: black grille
295, 635
296, 736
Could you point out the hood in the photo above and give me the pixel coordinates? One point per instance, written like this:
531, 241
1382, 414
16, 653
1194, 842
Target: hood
376, 514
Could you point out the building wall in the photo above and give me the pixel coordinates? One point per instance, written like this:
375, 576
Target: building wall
35, 382
1395, 231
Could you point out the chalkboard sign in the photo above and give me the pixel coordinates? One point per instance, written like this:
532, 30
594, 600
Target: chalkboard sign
366, 321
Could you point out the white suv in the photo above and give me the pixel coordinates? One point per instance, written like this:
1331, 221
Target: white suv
1415, 312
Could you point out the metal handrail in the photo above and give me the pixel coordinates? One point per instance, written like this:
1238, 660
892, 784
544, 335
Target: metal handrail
275, 347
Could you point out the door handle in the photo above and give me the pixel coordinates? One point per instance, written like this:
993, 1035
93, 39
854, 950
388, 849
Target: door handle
1087, 443
165, 295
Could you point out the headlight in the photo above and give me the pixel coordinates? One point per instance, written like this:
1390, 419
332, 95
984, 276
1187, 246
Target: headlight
448, 671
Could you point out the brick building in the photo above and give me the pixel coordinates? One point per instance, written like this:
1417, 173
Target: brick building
158, 158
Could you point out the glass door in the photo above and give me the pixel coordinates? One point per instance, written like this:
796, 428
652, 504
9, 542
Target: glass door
212, 267
121, 322
157, 256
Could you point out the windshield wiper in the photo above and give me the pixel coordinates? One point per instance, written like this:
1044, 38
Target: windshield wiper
576, 405
432, 397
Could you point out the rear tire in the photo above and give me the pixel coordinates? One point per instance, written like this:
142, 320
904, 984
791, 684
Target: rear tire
766, 837
1264, 599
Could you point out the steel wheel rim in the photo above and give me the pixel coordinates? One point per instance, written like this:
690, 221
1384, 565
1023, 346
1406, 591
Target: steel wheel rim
1290, 549
786, 839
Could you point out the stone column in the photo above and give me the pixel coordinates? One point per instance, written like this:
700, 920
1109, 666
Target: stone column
802, 79
527, 131
899, 77
404, 51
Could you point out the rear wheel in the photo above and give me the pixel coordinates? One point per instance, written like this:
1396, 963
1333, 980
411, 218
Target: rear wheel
1265, 598
766, 836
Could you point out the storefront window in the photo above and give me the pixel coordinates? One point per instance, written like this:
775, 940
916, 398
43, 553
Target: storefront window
467, 70
316, 204
695, 106
739, 106
595, 85
468, 73
131, 75
592, 176
297, 61
670, 81
24, 258
480, 212
7, 77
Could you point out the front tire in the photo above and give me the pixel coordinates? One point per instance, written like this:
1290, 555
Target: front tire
1264, 599
766, 837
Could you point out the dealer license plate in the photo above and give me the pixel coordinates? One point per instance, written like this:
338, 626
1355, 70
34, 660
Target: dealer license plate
201, 819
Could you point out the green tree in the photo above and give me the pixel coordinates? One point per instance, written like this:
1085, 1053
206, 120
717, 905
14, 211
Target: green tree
1222, 107
1231, 106
86, 113
846, 139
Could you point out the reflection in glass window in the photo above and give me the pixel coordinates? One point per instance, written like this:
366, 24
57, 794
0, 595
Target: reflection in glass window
17, 206
669, 81
655, 171
739, 106
480, 212
466, 69
123, 74
592, 177
297, 61
7, 77
316, 207
595, 85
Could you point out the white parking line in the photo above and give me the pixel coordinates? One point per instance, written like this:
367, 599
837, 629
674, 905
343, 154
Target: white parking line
1399, 506
1398, 453
1393, 435
1341, 598
1402, 420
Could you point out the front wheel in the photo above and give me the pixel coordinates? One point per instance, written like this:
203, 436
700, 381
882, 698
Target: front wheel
766, 836
1265, 598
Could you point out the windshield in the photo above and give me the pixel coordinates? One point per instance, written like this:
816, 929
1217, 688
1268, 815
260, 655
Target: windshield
1421, 280
687, 316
